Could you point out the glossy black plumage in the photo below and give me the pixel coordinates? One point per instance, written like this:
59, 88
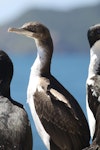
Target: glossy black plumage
15, 129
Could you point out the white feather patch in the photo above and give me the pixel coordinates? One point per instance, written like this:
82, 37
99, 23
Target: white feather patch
43, 134
32, 87
91, 119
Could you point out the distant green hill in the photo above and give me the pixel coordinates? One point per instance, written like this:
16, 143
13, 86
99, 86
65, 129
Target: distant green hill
68, 29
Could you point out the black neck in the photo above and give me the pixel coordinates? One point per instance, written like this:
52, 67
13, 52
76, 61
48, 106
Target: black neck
5, 90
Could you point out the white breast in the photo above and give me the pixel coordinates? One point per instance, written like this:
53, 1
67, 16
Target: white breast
91, 118
33, 85
91, 80
94, 82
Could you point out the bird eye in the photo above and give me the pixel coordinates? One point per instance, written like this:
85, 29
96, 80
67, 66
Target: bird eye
98, 31
31, 29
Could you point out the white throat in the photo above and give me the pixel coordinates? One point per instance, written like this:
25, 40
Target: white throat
94, 59
40, 60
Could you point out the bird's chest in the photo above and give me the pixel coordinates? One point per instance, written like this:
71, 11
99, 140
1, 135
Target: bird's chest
94, 85
36, 83
93, 100
33, 87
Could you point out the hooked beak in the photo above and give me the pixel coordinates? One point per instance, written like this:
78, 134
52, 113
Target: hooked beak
21, 31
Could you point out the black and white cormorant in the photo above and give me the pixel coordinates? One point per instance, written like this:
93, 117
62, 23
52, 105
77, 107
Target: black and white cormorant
93, 86
58, 117
15, 129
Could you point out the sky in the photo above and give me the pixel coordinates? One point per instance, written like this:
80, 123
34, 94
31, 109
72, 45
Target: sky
9, 9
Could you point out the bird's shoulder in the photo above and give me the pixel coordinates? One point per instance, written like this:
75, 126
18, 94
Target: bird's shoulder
12, 112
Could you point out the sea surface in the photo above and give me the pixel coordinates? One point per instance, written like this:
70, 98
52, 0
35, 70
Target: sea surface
70, 69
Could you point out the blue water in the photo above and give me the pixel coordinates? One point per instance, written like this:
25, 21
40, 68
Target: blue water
70, 69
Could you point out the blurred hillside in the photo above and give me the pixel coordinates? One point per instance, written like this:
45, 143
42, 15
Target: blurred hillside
68, 29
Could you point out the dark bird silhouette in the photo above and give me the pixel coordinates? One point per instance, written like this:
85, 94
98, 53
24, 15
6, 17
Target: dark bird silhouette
58, 117
15, 129
93, 87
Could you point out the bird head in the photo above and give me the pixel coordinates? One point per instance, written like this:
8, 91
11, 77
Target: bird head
6, 73
93, 34
33, 30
